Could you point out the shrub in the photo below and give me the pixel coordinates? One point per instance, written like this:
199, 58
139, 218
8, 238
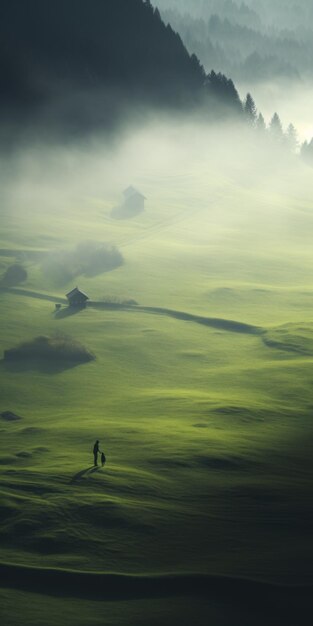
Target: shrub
57, 348
107, 299
14, 275
95, 258
8, 416
89, 257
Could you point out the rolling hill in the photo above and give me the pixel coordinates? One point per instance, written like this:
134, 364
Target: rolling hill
200, 394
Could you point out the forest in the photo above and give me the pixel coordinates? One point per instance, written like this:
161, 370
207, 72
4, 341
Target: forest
246, 40
66, 66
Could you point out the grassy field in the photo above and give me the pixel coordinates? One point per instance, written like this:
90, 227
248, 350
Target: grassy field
205, 414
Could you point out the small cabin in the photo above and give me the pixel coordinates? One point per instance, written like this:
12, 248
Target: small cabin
76, 298
132, 205
134, 200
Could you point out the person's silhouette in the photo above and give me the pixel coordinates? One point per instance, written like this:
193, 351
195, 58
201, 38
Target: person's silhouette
103, 459
96, 452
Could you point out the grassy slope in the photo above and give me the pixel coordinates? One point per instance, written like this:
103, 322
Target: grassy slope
206, 432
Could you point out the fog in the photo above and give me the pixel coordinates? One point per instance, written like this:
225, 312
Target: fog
277, 14
296, 108
174, 163
266, 48
198, 325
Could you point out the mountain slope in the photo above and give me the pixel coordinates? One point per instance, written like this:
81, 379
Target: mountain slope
51, 52
254, 42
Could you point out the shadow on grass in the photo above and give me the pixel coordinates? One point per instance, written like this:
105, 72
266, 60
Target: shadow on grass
85, 472
68, 312
271, 604
45, 366
218, 323
29, 255
32, 294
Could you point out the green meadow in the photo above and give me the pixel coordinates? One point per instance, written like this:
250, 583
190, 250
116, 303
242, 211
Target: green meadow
201, 394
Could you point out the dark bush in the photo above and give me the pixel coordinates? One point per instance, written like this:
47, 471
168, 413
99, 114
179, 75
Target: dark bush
107, 299
14, 275
89, 257
61, 267
95, 258
58, 348
8, 416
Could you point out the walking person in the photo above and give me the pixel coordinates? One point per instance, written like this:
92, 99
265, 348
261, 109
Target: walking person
96, 451
103, 459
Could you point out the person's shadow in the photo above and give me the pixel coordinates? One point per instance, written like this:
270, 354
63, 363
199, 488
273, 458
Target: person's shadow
89, 470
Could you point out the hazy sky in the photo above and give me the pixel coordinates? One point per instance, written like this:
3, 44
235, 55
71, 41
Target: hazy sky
297, 108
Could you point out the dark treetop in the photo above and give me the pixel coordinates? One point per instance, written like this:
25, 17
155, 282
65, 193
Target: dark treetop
84, 62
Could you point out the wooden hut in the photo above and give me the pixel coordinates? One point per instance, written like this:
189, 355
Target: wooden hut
134, 200
76, 298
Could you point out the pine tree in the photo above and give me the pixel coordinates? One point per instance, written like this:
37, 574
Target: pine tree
250, 109
276, 128
306, 152
260, 123
292, 138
